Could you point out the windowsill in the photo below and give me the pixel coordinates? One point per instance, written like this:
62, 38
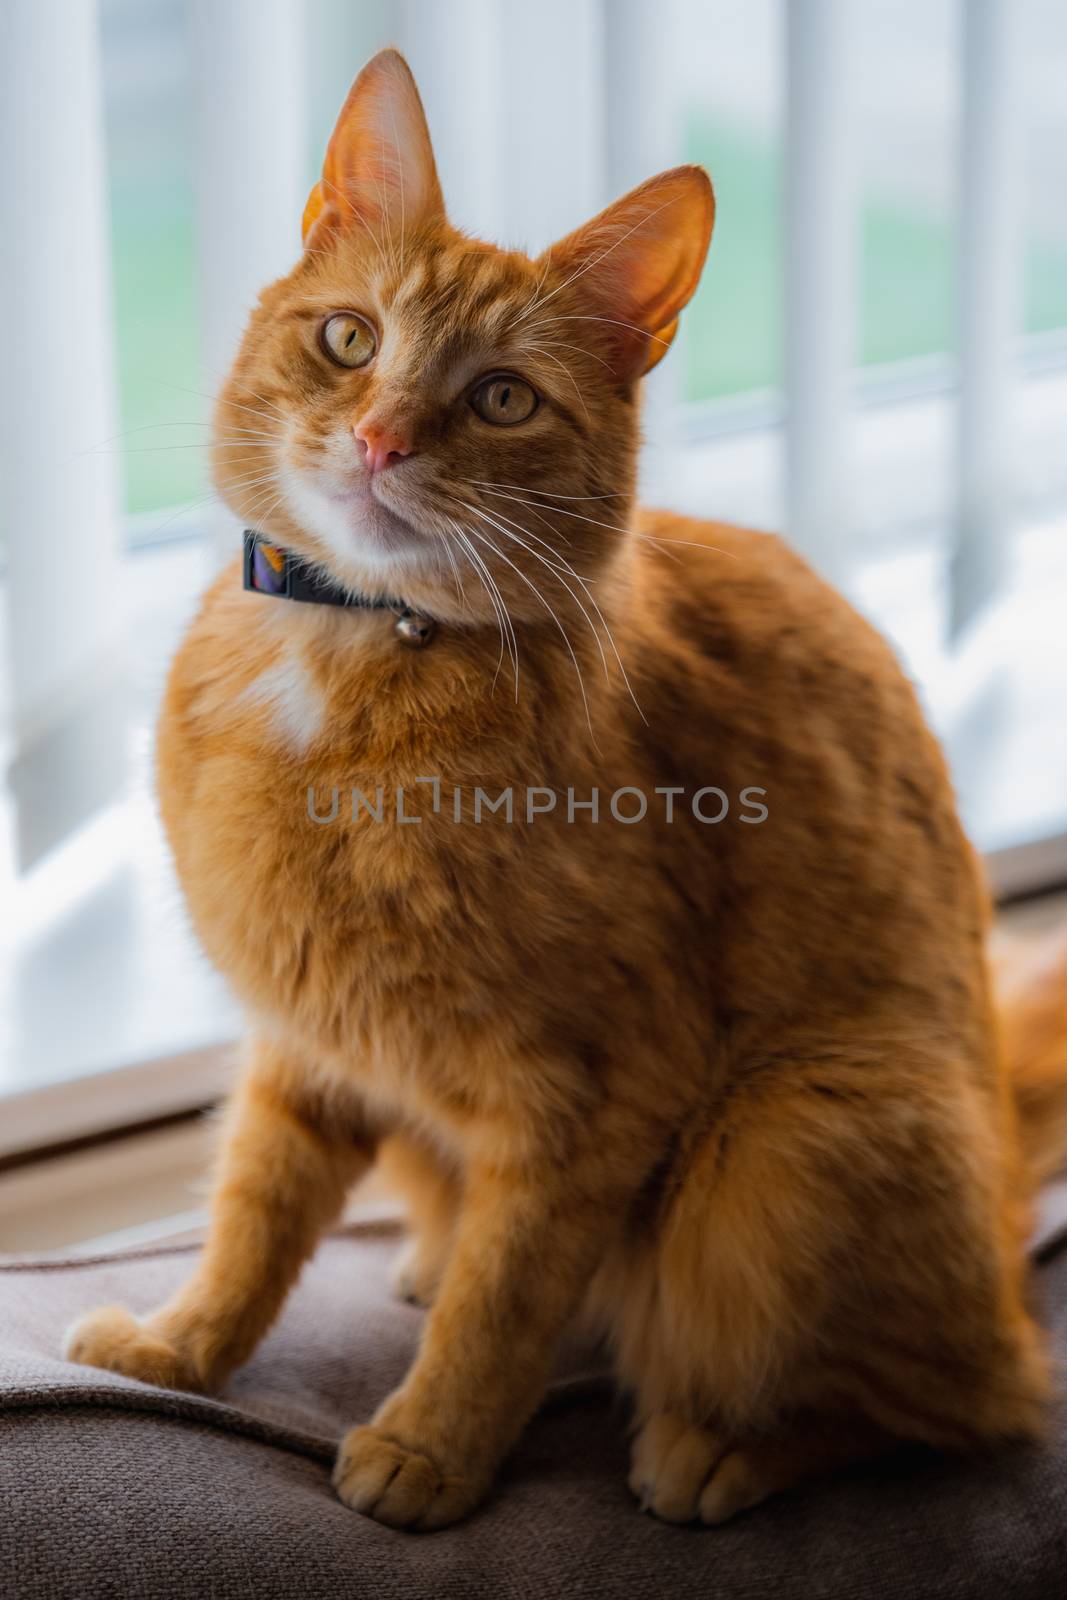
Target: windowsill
142, 1190
101, 1100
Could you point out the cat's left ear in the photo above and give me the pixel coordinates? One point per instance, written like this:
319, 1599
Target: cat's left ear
379, 170
637, 264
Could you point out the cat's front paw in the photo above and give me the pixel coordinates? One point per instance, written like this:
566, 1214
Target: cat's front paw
402, 1487
673, 1468
685, 1473
113, 1339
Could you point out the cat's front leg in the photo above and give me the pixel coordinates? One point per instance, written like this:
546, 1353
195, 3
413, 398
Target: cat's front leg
527, 1238
284, 1172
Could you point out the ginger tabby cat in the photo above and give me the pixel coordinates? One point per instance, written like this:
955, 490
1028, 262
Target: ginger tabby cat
731, 1094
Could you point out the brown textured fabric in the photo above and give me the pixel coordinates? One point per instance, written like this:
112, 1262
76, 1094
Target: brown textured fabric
109, 1488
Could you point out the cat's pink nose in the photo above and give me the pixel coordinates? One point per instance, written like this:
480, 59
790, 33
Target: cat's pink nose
383, 447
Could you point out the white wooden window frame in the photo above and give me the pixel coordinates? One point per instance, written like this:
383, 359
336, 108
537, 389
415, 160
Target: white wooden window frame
483, 66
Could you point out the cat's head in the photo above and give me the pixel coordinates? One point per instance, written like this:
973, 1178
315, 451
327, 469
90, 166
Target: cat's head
431, 417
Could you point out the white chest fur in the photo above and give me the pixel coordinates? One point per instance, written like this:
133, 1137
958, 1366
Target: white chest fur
291, 698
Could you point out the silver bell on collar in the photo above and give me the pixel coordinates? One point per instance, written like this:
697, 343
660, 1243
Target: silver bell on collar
414, 630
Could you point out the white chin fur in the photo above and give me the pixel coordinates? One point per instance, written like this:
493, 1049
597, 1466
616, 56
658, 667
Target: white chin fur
376, 547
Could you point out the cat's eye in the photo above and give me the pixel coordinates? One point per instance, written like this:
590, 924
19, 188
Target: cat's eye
504, 400
348, 339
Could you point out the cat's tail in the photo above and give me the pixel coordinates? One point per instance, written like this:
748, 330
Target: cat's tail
1031, 991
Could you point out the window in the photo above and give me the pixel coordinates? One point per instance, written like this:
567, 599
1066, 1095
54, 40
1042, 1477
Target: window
876, 361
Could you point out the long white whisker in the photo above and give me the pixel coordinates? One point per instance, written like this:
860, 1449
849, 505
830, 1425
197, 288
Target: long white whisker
496, 599
471, 557
261, 510
563, 345
256, 469
243, 433
245, 388
447, 542
379, 186
558, 559
494, 589
489, 483
566, 638
346, 201
585, 590
182, 511
155, 427
596, 260
550, 566
567, 373
591, 597
534, 300
264, 485
205, 445
465, 551
613, 321
563, 512
543, 520
615, 527
274, 414
400, 176
252, 481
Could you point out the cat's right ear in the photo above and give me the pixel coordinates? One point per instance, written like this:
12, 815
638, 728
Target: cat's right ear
379, 171
638, 263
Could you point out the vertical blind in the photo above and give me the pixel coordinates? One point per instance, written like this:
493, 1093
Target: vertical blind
57, 404
540, 113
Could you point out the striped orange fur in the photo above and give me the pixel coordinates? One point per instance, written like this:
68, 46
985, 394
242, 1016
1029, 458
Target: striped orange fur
732, 1094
